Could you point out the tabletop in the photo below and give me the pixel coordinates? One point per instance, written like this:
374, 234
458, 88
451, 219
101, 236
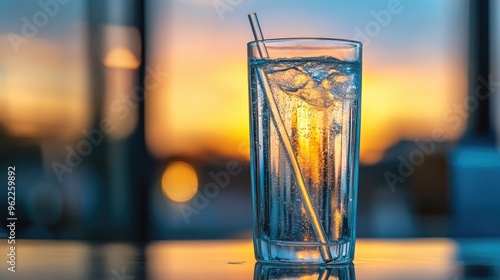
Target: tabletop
443, 259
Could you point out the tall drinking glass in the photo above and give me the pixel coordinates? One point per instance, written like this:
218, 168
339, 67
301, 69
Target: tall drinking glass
304, 126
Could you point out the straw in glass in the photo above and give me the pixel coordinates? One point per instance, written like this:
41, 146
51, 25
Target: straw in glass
285, 140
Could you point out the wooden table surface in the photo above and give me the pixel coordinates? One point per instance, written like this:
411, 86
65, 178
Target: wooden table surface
443, 259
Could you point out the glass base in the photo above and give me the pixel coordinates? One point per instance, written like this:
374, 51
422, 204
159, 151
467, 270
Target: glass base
284, 271
302, 252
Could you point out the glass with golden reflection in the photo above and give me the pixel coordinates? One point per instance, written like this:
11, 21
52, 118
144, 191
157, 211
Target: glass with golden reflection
305, 112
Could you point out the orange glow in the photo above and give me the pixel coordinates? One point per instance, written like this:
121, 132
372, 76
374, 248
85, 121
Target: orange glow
427, 258
203, 106
210, 114
43, 95
179, 181
210, 261
122, 47
309, 134
310, 277
70, 267
307, 255
121, 57
374, 259
119, 105
395, 106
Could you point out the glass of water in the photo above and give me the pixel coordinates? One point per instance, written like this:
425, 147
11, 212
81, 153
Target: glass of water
304, 125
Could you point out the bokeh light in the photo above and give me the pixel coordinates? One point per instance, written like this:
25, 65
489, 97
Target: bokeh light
179, 181
121, 57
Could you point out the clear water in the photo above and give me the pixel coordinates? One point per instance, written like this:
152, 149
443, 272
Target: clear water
318, 100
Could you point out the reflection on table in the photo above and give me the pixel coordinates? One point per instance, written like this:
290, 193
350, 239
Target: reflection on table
441, 259
265, 271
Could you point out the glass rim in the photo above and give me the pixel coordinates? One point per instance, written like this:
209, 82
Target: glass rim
354, 43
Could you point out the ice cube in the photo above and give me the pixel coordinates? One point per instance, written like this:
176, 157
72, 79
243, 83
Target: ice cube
340, 85
296, 82
318, 83
316, 96
290, 80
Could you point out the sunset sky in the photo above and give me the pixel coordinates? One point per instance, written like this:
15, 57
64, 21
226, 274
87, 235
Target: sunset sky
414, 69
43, 75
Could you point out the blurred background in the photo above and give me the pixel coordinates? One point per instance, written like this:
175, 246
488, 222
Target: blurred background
128, 120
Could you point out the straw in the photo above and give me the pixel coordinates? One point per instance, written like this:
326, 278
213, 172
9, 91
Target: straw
285, 140
325, 273
257, 34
